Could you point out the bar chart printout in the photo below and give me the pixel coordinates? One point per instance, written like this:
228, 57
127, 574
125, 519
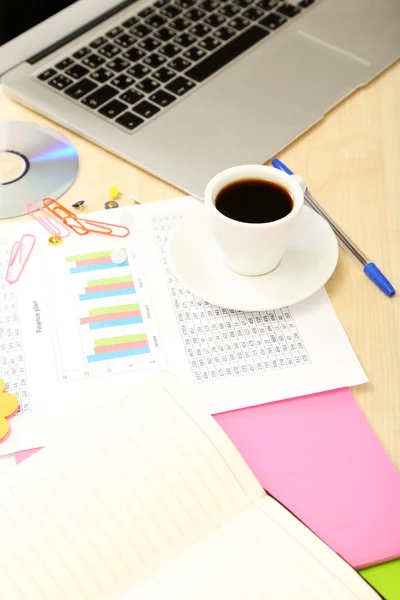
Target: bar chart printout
109, 325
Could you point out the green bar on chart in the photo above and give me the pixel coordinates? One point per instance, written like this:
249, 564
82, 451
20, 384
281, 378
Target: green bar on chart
93, 312
109, 280
120, 339
88, 255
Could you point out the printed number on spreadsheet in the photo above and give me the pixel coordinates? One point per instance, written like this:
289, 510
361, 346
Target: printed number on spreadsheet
12, 363
222, 343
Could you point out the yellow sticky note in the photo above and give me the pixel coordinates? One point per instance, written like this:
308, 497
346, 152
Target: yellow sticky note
8, 408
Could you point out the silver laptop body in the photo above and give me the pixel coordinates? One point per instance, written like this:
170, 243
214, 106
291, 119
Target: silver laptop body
268, 71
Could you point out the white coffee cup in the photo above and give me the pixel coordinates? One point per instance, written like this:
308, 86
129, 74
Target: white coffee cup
254, 248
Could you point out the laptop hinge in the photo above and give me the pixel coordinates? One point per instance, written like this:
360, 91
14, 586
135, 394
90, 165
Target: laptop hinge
77, 32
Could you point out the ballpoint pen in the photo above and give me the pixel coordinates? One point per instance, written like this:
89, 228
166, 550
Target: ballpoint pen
369, 268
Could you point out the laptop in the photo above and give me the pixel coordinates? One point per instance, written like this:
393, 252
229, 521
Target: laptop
186, 88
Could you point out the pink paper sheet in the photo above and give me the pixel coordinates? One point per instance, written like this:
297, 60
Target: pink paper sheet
319, 457
24, 454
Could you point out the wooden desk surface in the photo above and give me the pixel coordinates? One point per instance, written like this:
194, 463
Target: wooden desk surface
351, 161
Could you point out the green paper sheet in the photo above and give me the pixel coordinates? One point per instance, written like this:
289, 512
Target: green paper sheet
385, 578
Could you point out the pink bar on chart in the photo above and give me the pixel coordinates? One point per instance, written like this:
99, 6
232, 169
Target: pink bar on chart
110, 286
320, 458
93, 261
110, 317
124, 346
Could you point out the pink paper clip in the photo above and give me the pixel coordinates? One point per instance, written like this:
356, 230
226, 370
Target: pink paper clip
52, 225
20, 252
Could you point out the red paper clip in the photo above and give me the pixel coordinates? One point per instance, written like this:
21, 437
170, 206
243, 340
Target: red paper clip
83, 226
47, 221
20, 252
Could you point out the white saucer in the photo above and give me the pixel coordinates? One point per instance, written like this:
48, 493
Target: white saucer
306, 266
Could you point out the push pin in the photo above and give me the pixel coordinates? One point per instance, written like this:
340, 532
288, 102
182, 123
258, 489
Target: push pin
55, 240
114, 192
79, 204
111, 204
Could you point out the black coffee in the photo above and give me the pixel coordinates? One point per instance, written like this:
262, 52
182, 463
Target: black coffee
254, 201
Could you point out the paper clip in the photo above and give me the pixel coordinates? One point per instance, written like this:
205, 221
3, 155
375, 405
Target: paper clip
83, 226
22, 253
47, 221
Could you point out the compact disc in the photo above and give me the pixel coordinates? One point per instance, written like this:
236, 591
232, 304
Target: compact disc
35, 162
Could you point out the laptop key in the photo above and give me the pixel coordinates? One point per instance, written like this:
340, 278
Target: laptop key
180, 86
185, 3
47, 74
288, 10
194, 14
165, 33
146, 12
131, 96
209, 5
223, 56
147, 85
98, 42
156, 21
130, 22
149, 44
179, 64
215, 20
224, 33
129, 120
63, 64
134, 54
125, 41
109, 50
76, 71
200, 30
122, 81
146, 109
114, 32
162, 98
273, 21
60, 82
185, 40
118, 64
180, 24
229, 10
170, 50
93, 61
239, 23
80, 89
113, 109
194, 53
160, 3
138, 71
140, 30
209, 43
102, 75
268, 4
306, 3
100, 96
171, 11
154, 60
253, 13
164, 74
81, 53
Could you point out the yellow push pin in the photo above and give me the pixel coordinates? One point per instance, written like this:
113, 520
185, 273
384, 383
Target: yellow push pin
114, 192
55, 240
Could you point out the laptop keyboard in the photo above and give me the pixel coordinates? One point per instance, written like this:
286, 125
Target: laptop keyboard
145, 64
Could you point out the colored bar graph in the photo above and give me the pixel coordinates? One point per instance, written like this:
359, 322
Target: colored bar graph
118, 354
117, 347
110, 286
120, 339
110, 317
110, 280
107, 294
116, 322
88, 255
97, 267
112, 309
93, 261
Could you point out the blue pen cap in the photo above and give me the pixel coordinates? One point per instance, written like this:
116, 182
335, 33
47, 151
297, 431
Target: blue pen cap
375, 275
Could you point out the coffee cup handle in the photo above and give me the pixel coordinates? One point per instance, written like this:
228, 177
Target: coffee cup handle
302, 182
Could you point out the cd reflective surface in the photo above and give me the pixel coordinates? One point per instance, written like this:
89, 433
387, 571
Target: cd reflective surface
35, 162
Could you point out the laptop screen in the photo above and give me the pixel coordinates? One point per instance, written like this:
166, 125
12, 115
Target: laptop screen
17, 16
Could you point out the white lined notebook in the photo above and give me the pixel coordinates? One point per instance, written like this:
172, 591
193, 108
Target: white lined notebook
150, 500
